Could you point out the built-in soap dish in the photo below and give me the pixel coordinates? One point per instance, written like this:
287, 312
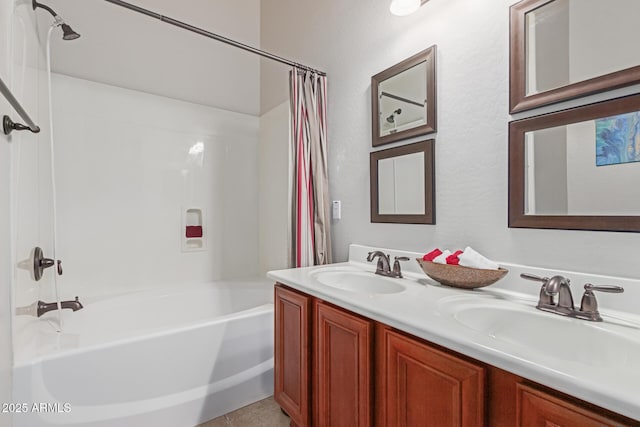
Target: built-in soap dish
193, 230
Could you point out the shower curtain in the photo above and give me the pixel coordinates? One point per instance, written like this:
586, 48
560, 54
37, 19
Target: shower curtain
310, 239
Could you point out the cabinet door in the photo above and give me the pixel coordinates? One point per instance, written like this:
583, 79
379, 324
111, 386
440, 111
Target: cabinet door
292, 354
342, 368
536, 408
420, 385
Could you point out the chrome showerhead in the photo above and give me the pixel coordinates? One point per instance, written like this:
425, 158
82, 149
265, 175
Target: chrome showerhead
67, 32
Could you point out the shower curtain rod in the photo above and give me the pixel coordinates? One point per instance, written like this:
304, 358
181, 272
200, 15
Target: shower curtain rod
213, 36
399, 98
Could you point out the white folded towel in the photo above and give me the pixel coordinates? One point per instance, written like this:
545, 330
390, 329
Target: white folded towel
442, 258
471, 258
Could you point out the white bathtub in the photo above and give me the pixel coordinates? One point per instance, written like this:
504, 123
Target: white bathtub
174, 357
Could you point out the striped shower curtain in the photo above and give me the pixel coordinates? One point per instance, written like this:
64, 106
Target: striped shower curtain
310, 240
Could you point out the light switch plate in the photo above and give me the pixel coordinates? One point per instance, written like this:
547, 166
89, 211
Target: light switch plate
337, 209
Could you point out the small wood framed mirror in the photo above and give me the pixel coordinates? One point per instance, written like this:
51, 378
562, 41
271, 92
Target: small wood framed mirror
577, 169
403, 99
403, 184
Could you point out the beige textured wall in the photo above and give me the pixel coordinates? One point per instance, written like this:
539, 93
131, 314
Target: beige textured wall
356, 39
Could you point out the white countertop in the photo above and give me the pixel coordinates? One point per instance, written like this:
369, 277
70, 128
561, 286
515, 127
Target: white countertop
421, 310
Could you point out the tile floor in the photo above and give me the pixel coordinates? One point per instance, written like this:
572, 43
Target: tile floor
265, 413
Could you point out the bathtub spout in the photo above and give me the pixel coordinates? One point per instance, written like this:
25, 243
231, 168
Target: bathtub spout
44, 307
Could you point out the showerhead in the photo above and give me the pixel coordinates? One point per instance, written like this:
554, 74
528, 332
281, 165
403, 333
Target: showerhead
392, 117
67, 32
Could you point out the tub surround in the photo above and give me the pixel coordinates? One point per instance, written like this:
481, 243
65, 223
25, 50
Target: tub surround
6, 10
156, 166
421, 310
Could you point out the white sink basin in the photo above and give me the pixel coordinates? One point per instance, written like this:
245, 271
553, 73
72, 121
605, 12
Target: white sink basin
610, 343
352, 280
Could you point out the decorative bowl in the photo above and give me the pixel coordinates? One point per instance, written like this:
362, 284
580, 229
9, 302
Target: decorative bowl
458, 276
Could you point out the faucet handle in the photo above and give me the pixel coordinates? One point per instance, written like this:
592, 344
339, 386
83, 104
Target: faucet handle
396, 265
533, 277
544, 298
589, 304
604, 288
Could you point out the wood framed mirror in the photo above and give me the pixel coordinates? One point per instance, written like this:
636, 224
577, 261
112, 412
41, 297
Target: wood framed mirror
403, 99
577, 169
403, 184
563, 49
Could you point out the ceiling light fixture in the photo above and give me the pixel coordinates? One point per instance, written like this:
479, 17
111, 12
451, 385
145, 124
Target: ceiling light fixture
405, 7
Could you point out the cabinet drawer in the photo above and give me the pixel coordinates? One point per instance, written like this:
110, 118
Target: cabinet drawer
536, 408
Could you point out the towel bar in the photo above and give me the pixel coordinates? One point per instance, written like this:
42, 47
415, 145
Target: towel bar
9, 125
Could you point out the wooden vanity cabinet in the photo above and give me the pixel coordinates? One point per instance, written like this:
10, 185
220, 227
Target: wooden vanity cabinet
536, 407
335, 368
420, 385
292, 353
323, 360
342, 368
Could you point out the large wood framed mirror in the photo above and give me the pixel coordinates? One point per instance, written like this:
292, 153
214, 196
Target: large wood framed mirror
403, 99
403, 184
563, 49
577, 169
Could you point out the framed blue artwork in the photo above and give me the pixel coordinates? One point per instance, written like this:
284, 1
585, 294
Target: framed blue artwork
618, 139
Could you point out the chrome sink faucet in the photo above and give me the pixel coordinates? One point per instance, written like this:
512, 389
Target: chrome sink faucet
384, 267
558, 286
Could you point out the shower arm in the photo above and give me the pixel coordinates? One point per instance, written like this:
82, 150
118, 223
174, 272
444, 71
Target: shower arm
36, 5
67, 31
214, 36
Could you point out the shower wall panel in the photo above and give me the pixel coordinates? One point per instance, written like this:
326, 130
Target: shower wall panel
128, 165
274, 176
32, 221
5, 224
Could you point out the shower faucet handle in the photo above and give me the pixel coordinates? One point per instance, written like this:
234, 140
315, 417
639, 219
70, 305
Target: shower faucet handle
40, 263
